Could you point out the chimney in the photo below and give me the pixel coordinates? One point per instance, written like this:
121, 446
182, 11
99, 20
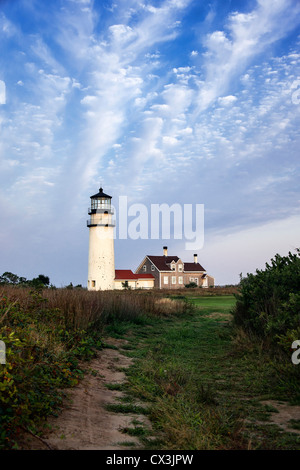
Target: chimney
195, 258
165, 250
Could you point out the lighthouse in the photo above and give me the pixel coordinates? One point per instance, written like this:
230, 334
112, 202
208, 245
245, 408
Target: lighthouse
101, 266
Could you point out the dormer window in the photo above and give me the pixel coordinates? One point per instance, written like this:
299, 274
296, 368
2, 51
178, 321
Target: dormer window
173, 267
180, 268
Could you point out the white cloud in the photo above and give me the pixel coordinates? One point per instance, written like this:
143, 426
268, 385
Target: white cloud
122, 33
185, 131
169, 140
117, 79
7, 28
182, 69
227, 54
89, 99
74, 30
227, 100
44, 54
178, 98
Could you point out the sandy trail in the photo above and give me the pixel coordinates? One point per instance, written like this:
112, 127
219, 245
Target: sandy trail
84, 423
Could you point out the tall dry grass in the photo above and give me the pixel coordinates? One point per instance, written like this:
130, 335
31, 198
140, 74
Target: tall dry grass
82, 307
79, 308
46, 333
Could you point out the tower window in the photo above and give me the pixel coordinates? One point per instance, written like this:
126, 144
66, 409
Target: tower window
93, 283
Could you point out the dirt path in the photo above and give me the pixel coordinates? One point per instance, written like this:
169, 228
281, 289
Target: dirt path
283, 415
84, 423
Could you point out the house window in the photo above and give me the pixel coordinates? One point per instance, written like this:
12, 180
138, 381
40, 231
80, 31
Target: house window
166, 279
152, 268
180, 268
191, 279
173, 267
144, 268
173, 279
196, 280
180, 280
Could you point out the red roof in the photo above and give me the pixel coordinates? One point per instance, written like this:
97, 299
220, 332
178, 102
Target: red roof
124, 274
127, 274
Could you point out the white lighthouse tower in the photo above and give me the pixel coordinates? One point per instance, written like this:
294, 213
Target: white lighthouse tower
101, 269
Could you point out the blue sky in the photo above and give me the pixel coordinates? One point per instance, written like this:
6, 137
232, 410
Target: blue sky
172, 101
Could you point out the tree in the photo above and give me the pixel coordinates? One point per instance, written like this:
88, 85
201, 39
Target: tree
44, 279
40, 281
13, 279
9, 278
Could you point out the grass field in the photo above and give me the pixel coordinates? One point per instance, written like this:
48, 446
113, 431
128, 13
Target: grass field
222, 303
203, 383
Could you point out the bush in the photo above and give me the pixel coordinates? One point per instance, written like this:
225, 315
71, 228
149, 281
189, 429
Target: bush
191, 285
269, 301
43, 350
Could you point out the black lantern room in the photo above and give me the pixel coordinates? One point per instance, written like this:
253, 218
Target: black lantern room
100, 202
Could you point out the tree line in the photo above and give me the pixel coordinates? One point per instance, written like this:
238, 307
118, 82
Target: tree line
9, 278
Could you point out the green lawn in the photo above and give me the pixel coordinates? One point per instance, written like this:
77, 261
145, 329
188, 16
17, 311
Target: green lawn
222, 303
202, 382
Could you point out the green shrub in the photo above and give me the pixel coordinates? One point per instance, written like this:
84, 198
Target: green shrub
191, 285
42, 357
269, 301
